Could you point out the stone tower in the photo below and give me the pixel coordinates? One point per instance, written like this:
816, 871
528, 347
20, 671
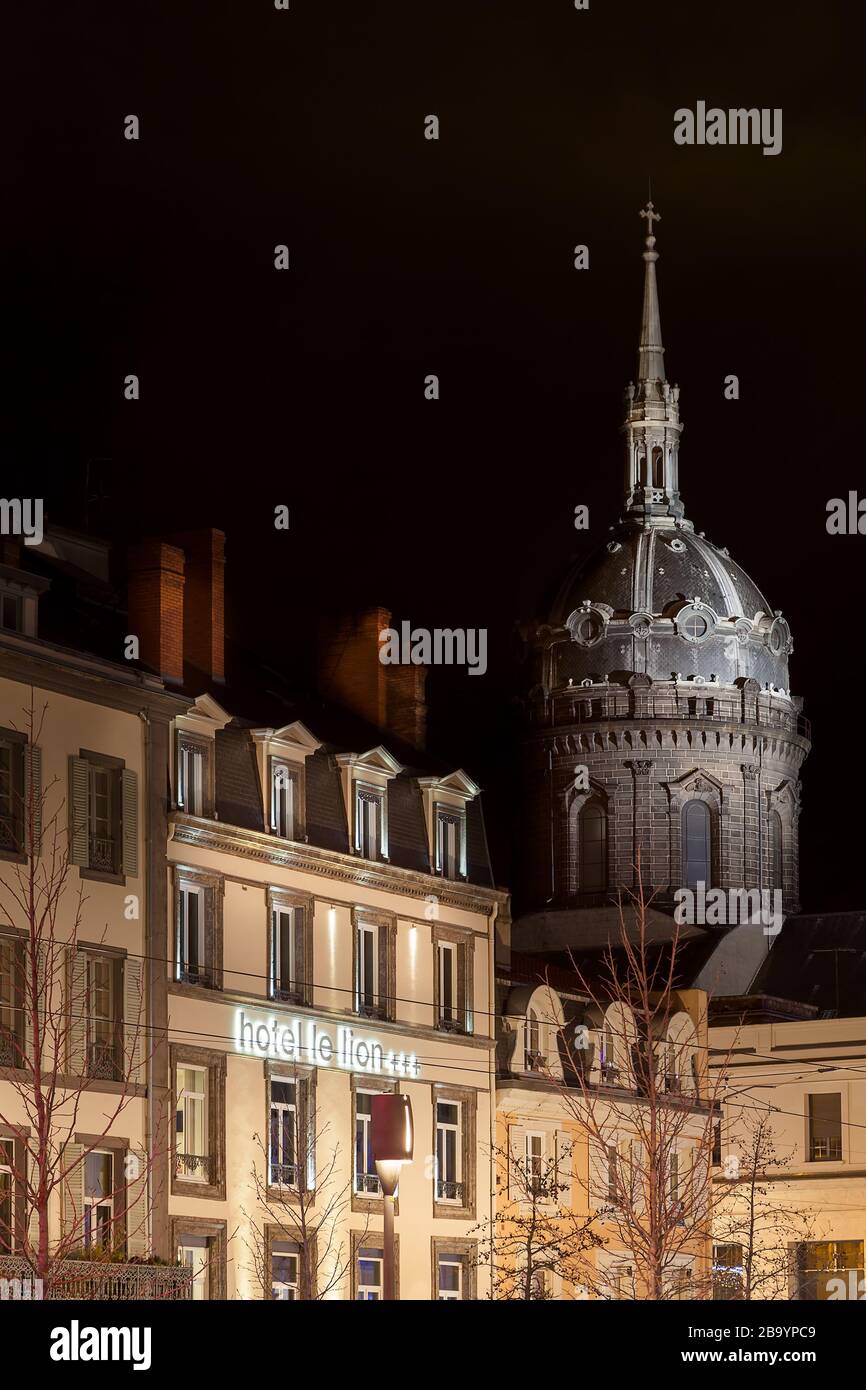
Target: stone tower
660, 718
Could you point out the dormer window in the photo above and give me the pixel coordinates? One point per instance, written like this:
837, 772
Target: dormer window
445, 803
193, 775
369, 821
450, 842
534, 1058
285, 799
20, 592
11, 615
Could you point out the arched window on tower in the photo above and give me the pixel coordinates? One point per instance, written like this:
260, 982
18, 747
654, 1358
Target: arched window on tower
641, 468
658, 468
697, 844
592, 825
776, 849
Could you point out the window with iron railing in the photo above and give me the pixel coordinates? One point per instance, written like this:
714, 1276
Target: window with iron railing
193, 1160
283, 1155
366, 1182
449, 1156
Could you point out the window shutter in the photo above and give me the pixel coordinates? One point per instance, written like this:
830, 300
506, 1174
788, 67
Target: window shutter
137, 1242
299, 923
76, 1010
599, 1176
72, 1196
134, 1021
465, 962
516, 1162
129, 826
306, 1134
43, 997
78, 828
32, 798
564, 1166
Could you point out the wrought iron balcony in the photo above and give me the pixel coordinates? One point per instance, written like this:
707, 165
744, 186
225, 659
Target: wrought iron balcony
103, 1282
103, 854
284, 1174
448, 1191
194, 1167
368, 1185
102, 1062
11, 1051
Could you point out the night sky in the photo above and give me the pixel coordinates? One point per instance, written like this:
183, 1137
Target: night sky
409, 257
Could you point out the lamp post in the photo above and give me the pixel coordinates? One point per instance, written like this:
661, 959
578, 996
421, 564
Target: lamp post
392, 1141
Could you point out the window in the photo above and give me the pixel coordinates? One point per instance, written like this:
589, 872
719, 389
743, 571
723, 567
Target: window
369, 808
190, 934
285, 799
728, 1272
592, 825
534, 1162
367, 973
453, 985
825, 1127
697, 855
609, 1064
622, 1282
613, 1193
679, 1283
449, 1156
194, 1252
285, 1271
7, 1197
370, 1274
289, 971
823, 1264
11, 1014
717, 1144
11, 612
12, 752
534, 1058
449, 1278
450, 843
658, 468
674, 1183
776, 849
366, 1180
673, 1080
193, 774
103, 816
192, 1157
98, 1200
283, 1157
446, 952
102, 1017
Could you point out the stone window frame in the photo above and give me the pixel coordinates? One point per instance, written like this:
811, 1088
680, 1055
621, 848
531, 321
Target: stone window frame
696, 786
298, 774
207, 746
383, 1086
18, 1135
465, 942
468, 1101
387, 960
273, 1231
467, 1249
783, 800
446, 810
217, 1231
215, 1063
119, 1147
376, 1240
287, 897
15, 739
574, 802
214, 895
305, 1138
363, 790
118, 767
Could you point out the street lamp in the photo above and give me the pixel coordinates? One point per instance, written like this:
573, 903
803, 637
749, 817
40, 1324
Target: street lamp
392, 1142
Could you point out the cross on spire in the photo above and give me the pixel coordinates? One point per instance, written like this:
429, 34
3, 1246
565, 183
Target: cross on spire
651, 216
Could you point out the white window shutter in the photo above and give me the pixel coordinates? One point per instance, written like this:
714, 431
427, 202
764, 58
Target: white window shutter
76, 1011
599, 1176
32, 798
72, 1196
137, 1208
77, 811
134, 1021
129, 804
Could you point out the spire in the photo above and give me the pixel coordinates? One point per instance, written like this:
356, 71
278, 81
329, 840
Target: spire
652, 425
651, 353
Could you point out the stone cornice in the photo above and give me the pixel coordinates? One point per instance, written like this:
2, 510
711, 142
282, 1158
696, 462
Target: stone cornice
69, 673
327, 863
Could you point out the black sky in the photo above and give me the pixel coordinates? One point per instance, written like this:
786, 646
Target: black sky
306, 388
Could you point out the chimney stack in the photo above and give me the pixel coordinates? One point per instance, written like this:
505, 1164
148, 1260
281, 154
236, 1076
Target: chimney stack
391, 698
204, 604
155, 604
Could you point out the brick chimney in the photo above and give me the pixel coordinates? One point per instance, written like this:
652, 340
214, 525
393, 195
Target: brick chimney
204, 602
155, 603
391, 698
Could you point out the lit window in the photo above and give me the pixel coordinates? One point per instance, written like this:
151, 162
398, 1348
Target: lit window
192, 774
534, 1162
98, 1200
102, 1017
450, 844
371, 1263
288, 926
190, 934
449, 1278
366, 1180
829, 1269
449, 1157
285, 790
367, 968
369, 806
285, 1271
194, 1252
447, 956
825, 1127
728, 1272
283, 1146
192, 1159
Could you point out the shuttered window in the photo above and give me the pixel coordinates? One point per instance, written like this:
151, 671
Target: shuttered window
103, 816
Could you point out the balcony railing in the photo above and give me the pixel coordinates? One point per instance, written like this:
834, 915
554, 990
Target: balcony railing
447, 1191
103, 854
102, 1062
11, 1051
368, 1185
194, 1167
104, 1282
674, 1085
284, 1174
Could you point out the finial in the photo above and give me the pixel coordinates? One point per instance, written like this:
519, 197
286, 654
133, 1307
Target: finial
651, 216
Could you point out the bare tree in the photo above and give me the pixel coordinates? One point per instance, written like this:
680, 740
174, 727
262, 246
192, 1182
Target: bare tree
536, 1238
301, 1197
51, 1054
755, 1230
